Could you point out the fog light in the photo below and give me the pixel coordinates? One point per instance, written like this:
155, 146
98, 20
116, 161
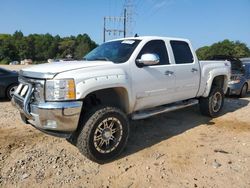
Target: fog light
50, 124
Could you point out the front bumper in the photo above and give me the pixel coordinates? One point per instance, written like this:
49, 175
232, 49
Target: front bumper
56, 118
234, 89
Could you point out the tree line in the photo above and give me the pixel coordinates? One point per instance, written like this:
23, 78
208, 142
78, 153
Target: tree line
225, 47
40, 47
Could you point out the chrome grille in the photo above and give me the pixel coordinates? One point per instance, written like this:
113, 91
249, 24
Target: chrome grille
37, 87
28, 93
22, 90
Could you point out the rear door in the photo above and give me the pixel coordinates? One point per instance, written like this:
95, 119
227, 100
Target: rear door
187, 70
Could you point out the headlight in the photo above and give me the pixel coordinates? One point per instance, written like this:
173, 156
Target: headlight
57, 90
39, 92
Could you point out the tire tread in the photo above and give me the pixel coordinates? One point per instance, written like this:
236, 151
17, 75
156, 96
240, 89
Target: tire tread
88, 122
204, 103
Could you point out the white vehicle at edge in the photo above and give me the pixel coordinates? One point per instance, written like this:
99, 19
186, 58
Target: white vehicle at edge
90, 102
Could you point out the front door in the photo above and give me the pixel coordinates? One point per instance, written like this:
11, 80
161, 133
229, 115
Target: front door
154, 85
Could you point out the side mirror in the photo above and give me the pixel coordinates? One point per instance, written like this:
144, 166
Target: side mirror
148, 59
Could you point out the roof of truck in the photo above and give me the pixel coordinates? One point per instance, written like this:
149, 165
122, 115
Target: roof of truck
151, 37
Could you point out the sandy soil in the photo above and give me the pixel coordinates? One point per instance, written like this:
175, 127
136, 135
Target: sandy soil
177, 149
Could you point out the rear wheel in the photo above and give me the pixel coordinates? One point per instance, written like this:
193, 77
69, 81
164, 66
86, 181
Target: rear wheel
104, 134
212, 105
244, 89
11, 90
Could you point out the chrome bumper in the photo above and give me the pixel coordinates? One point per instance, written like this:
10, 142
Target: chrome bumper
49, 116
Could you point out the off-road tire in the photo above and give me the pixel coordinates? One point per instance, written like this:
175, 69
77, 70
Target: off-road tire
86, 142
10, 90
243, 91
206, 103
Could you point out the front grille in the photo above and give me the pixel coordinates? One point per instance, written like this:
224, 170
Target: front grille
22, 90
37, 87
29, 92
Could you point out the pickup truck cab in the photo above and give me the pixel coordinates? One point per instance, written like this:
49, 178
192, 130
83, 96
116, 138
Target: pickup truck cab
90, 102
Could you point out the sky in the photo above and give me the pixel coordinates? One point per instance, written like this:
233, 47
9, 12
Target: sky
204, 22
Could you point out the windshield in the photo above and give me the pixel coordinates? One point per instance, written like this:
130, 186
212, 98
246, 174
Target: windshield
115, 51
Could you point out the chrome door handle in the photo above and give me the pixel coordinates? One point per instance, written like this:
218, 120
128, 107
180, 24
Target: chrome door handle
169, 73
194, 70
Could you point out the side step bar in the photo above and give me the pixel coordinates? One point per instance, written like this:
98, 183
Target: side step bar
162, 109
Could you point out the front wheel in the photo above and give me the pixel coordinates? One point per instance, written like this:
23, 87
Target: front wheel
104, 134
212, 105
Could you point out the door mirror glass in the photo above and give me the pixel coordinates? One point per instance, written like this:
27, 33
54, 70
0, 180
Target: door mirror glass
148, 59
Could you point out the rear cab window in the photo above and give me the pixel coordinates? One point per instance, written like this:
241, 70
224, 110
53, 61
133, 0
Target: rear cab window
182, 52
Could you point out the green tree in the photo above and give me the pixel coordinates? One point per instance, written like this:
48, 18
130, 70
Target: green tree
203, 52
83, 45
66, 47
42, 47
8, 51
225, 47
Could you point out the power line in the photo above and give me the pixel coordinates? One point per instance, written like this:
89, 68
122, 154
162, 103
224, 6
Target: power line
115, 26
114, 31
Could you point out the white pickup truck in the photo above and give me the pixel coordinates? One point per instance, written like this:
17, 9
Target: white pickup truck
90, 102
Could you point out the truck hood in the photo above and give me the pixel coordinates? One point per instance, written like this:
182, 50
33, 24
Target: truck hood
49, 70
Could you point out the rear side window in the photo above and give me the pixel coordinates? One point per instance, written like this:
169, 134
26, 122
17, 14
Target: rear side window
182, 52
157, 47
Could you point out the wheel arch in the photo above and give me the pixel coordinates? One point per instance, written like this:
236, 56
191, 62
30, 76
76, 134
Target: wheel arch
115, 96
220, 81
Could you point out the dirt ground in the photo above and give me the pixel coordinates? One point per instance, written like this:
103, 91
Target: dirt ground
177, 149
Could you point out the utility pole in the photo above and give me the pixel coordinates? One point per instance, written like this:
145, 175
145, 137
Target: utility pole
114, 31
124, 22
104, 30
129, 5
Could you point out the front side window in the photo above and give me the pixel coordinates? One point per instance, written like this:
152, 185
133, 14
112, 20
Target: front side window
156, 47
115, 51
182, 52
